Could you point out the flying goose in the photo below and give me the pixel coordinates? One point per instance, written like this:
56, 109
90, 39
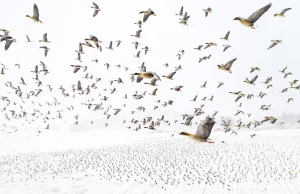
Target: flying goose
170, 76
146, 49
275, 42
45, 39
209, 44
204, 85
80, 50
254, 69
137, 34
36, 15
249, 22
199, 47
139, 23
226, 36
152, 83
46, 49
251, 82
281, 14
154, 92
148, 75
147, 14
180, 12
110, 46
28, 40
177, 88
118, 42
227, 66
226, 47
220, 84
96, 8
208, 10
283, 71
203, 130
188, 120
151, 126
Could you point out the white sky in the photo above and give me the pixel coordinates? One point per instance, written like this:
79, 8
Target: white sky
70, 22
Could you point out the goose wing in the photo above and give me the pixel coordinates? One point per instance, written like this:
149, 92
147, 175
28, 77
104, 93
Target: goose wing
27, 38
36, 11
76, 69
229, 63
7, 44
205, 127
227, 35
254, 79
285, 10
171, 74
272, 45
78, 85
139, 79
237, 99
154, 91
45, 39
256, 15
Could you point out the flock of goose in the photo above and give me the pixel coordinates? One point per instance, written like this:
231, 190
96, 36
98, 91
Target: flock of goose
78, 89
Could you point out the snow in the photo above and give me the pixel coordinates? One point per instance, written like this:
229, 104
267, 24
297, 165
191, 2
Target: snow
110, 161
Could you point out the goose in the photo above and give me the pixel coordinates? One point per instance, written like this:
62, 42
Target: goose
136, 44
254, 69
204, 85
251, 82
139, 23
151, 126
88, 44
137, 34
152, 83
249, 22
204, 58
188, 120
286, 74
209, 44
283, 71
281, 14
180, 12
96, 8
118, 42
195, 98
177, 88
184, 20
226, 36
227, 66
137, 54
269, 118
110, 46
275, 42
36, 14
220, 84
28, 40
290, 99
22, 81
154, 92
203, 130
226, 47
46, 49
146, 49
147, 14
80, 50
170, 76
148, 75
208, 10
45, 39
117, 110
199, 47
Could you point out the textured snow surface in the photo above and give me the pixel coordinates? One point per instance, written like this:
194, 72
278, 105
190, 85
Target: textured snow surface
266, 163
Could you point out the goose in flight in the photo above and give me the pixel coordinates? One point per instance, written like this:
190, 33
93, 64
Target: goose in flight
148, 75
152, 83
208, 10
177, 88
180, 12
45, 39
274, 43
46, 49
139, 23
251, 82
96, 8
269, 118
170, 76
147, 14
137, 34
254, 69
151, 126
226, 36
80, 50
188, 120
203, 130
249, 22
226, 47
283, 71
199, 47
110, 46
281, 14
36, 14
28, 39
227, 66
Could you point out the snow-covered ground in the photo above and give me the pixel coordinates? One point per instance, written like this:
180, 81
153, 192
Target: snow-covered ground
102, 161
